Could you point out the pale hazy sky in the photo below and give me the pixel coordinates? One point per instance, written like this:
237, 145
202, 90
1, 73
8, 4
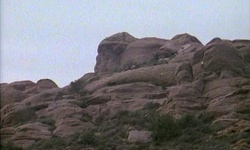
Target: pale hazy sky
58, 39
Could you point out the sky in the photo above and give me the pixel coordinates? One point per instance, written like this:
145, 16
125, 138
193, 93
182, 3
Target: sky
58, 39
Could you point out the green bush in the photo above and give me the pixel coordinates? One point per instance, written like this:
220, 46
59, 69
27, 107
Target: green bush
165, 128
88, 138
76, 86
53, 143
207, 117
151, 106
23, 116
86, 118
9, 146
188, 121
99, 120
47, 121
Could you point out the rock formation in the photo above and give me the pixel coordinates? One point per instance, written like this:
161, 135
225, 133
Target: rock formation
180, 75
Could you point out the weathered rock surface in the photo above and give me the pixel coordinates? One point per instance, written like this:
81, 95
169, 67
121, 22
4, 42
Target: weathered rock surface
181, 75
139, 136
27, 134
110, 50
18, 91
142, 52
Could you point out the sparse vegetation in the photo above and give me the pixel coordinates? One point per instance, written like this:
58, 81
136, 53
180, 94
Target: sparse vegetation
188, 132
165, 128
48, 121
54, 143
88, 138
23, 116
9, 146
77, 87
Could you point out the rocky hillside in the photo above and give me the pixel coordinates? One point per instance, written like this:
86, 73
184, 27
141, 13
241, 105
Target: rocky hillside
146, 93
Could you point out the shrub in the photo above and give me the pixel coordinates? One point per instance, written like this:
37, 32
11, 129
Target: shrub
86, 118
165, 128
9, 146
39, 107
75, 86
23, 116
53, 143
152, 106
207, 117
88, 138
47, 121
188, 121
99, 120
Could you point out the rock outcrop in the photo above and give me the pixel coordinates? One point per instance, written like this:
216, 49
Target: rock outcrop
179, 75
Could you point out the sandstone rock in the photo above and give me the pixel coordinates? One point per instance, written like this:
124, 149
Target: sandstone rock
139, 136
61, 109
185, 98
180, 74
182, 39
184, 73
163, 61
228, 96
13, 114
29, 133
215, 40
185, 53
109, 52
68, 126
168, 49
22, 85
160, 75
142, 52
7, 133
238, 127
243, 47
45, 84
11, 95
88, 78
44, 96
111, 108
221, 87
128, 91
241, 144
223, 57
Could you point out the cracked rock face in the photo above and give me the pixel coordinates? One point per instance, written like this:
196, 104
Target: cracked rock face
181, 75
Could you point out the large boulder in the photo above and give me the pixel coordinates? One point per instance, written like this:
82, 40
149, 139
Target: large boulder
139, 136
224, 60
11, 95
184, 98
29, 133
142, 52
244, 48
109, 52
185, 38
22, 85
15, 91
20, 90
68, 126
219, 57
16, 113
45, 84
163, 75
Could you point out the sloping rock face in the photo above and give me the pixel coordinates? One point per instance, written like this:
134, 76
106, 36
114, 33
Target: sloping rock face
18, 91
181, 75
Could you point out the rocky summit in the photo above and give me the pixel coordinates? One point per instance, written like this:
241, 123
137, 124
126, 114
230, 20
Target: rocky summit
147, 93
